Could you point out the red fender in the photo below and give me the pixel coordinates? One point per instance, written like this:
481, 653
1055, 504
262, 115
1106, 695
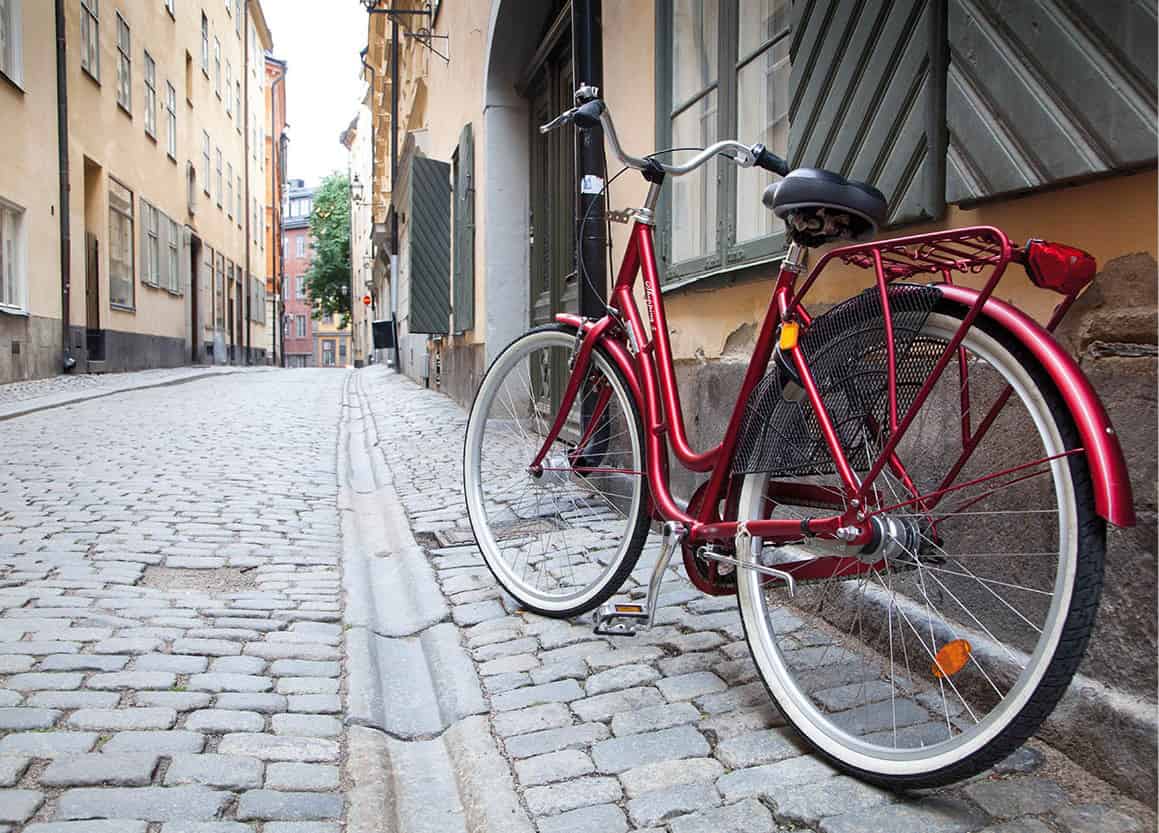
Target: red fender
1113, 499
615, 349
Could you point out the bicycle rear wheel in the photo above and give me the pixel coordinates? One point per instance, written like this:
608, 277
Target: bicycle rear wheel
561, 540
931, 655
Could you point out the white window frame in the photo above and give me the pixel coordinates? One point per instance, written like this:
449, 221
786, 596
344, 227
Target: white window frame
150, 95
300, 326
237, 16
205, 44
240, 198
12, 40
228, 88
206, 185
300, 248
150, 244
13, 259
90, 38
171, 120
173, 253
217, 66
229, 190
220, 188
130, 217
171, 7
124, 65
237, 103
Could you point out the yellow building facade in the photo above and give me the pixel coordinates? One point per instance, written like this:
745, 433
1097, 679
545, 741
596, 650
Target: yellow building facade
163, 259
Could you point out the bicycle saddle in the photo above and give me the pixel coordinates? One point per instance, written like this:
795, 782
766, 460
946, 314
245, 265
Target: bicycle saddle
818, 206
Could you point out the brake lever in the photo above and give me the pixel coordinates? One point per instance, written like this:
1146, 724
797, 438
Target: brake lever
561, 119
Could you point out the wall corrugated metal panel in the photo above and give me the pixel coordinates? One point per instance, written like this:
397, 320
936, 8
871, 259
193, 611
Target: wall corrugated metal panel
865, 102
1042, 91
430, 246
465, 233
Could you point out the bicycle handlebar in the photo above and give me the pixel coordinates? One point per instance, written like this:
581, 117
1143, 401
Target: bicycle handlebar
593, 111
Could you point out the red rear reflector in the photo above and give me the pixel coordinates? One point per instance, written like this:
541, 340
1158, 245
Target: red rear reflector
1056, 266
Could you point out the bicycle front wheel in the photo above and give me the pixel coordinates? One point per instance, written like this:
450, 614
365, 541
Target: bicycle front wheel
932, 654
563, 538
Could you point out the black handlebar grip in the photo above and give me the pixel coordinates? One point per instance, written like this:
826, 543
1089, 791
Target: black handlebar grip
770, 161
588, 115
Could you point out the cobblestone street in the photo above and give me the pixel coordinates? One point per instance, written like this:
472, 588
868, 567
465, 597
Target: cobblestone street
198, 635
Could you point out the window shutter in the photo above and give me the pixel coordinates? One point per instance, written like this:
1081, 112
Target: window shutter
430, 246
1036, 96
143, 248
865, 98
464, 285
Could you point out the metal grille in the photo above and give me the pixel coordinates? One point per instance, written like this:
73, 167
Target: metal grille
845, 349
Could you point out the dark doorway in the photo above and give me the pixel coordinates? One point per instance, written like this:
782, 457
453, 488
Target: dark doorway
94, 335
195, 339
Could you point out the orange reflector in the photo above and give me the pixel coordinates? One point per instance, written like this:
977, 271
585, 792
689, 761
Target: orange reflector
789, 332
951, 659
629, 609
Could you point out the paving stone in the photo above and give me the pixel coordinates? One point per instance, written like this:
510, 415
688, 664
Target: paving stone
735, 698
466, 615
303, 668
230, 772
808, 804
508, 665
531, 719
128, 645
765, 780
306, 725
620, 677
181, 701
748, 816
688, 663
12, 769
149, 803
662, 775
264, 703
47, 744
35, 681
929, 815
659, 806
554, 766
572, 667
623, 753
306, 685
206, 647
605, 706
763, 747
1094, 818
95, 769
299, 827
8, 699
274, 650
89, 826
653, 718
19, 805
605, 658
176, 663
561, 691
173, 742
279, 748
220, 721
688, 686
15, 719
207, 827
77, 662
132, 679
292, 806
579, 792
498, 683
301, 777
603, 818
236, 665
230, 682
1023, 760
38, 647
314, 703
1027, 824
1016, 797
551, 740
117, 720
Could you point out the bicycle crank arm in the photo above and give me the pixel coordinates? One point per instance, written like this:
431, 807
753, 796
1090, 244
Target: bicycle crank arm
625, 618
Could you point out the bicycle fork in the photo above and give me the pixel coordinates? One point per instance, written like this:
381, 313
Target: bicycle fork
626, 619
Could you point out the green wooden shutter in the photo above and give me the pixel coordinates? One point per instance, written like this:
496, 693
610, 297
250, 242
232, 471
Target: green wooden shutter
464, 282
430, 246
1041, 93
865, 97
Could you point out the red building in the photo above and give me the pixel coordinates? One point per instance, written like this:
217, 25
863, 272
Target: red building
299, 320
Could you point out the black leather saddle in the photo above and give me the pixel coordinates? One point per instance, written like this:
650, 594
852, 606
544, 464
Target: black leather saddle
819, 206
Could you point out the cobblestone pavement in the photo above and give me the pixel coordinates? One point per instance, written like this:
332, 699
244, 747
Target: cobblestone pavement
169, 610
671, 730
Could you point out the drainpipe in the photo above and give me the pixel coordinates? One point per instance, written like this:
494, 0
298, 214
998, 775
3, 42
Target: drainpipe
68, 361
276, 214
393, 180
248, 200
590, 236
373, 158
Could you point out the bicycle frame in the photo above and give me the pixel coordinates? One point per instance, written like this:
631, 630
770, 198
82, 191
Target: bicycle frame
644, 354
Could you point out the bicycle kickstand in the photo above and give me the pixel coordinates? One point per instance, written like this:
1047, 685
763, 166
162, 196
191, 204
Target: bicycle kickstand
626, 619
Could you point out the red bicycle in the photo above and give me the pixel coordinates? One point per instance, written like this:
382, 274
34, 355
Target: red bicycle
909, 500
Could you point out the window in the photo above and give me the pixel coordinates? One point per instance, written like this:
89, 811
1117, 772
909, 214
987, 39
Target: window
239, 201
171, 7
124, 65
228, 88
205, 44
301, 243
171, 121
150, 245
11, 40
237, 16
217, 66
724, 72
205, 161
237, 103
12, 264
220, 188
150, 96
229, 190
300, 292
300, 326
90, 38
219, 291
173, 269
121, 262
188, 79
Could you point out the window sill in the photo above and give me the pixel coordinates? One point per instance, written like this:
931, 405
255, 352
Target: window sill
740, 273
172, 158
12, 82
152, 137
122, 308
15, 312
96, 79
125, 110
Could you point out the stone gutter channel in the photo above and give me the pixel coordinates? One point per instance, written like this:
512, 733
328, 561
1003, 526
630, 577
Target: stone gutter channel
421, 756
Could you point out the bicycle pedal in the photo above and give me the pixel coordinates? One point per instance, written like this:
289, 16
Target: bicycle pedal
620, 619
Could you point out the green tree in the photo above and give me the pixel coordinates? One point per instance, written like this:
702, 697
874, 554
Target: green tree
328, 279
